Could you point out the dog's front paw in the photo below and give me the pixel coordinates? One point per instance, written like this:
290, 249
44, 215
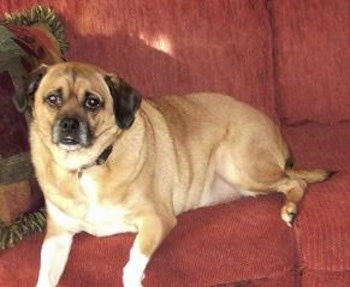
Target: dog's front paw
289, 213
130, 281
131, 278
133, 272
44, 284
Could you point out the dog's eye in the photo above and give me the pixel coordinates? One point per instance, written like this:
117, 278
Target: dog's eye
92, 102
54, 98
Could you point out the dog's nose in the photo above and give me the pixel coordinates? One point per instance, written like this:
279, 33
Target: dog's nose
69, 124
71, 133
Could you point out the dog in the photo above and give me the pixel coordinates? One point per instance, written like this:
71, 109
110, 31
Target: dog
110, 162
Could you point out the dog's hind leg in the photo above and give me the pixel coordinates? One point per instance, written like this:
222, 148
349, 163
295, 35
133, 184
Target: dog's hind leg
294, 185
293, 190
269, 175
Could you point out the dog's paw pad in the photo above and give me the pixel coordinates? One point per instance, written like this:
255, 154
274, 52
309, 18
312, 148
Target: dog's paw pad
289, 213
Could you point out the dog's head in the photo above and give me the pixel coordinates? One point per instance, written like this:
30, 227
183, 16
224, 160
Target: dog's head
77, 105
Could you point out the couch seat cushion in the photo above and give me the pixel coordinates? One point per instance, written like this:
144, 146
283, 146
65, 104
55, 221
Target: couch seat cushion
244, 241
322, 228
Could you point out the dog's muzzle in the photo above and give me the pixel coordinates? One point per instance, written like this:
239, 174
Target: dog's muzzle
71, 133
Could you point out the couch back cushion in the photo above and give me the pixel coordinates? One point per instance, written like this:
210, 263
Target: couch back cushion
175, 47
312, 45
164, 47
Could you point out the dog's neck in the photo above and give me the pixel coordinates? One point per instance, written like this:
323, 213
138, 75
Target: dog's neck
101, 159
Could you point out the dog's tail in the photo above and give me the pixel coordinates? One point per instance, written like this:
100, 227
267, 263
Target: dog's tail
311, 175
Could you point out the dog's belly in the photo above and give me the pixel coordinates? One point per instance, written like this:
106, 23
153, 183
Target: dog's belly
220, 192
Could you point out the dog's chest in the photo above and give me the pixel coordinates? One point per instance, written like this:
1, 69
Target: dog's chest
89, 186
91, 214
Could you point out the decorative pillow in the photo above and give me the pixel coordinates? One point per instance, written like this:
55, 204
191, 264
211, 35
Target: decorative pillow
26, 40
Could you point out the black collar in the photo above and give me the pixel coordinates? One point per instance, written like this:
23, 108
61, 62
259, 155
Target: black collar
101, 159
104, 155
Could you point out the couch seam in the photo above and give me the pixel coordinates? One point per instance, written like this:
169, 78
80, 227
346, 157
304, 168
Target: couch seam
269, 6
327, 271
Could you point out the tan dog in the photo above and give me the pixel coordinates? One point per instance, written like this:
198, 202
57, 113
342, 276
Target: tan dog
109, 163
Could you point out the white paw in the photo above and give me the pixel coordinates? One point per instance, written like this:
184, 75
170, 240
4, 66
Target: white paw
289, 213
133, 272
42, 283
130, 279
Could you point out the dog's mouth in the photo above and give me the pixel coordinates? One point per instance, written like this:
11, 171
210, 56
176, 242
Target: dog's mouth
71, 134
69, 143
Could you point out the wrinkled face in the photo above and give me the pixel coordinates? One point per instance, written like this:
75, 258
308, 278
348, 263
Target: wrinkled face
75, 105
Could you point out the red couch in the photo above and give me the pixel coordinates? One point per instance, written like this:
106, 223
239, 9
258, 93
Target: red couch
290, 59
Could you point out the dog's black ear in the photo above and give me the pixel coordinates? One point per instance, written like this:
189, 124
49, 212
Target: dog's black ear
33, 83
126, 101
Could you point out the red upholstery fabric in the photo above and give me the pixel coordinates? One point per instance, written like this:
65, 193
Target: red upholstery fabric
162, 48
322, 230
241, 241
312, 48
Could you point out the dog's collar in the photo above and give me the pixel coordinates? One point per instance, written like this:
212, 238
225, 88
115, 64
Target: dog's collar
101, 159
104, 155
